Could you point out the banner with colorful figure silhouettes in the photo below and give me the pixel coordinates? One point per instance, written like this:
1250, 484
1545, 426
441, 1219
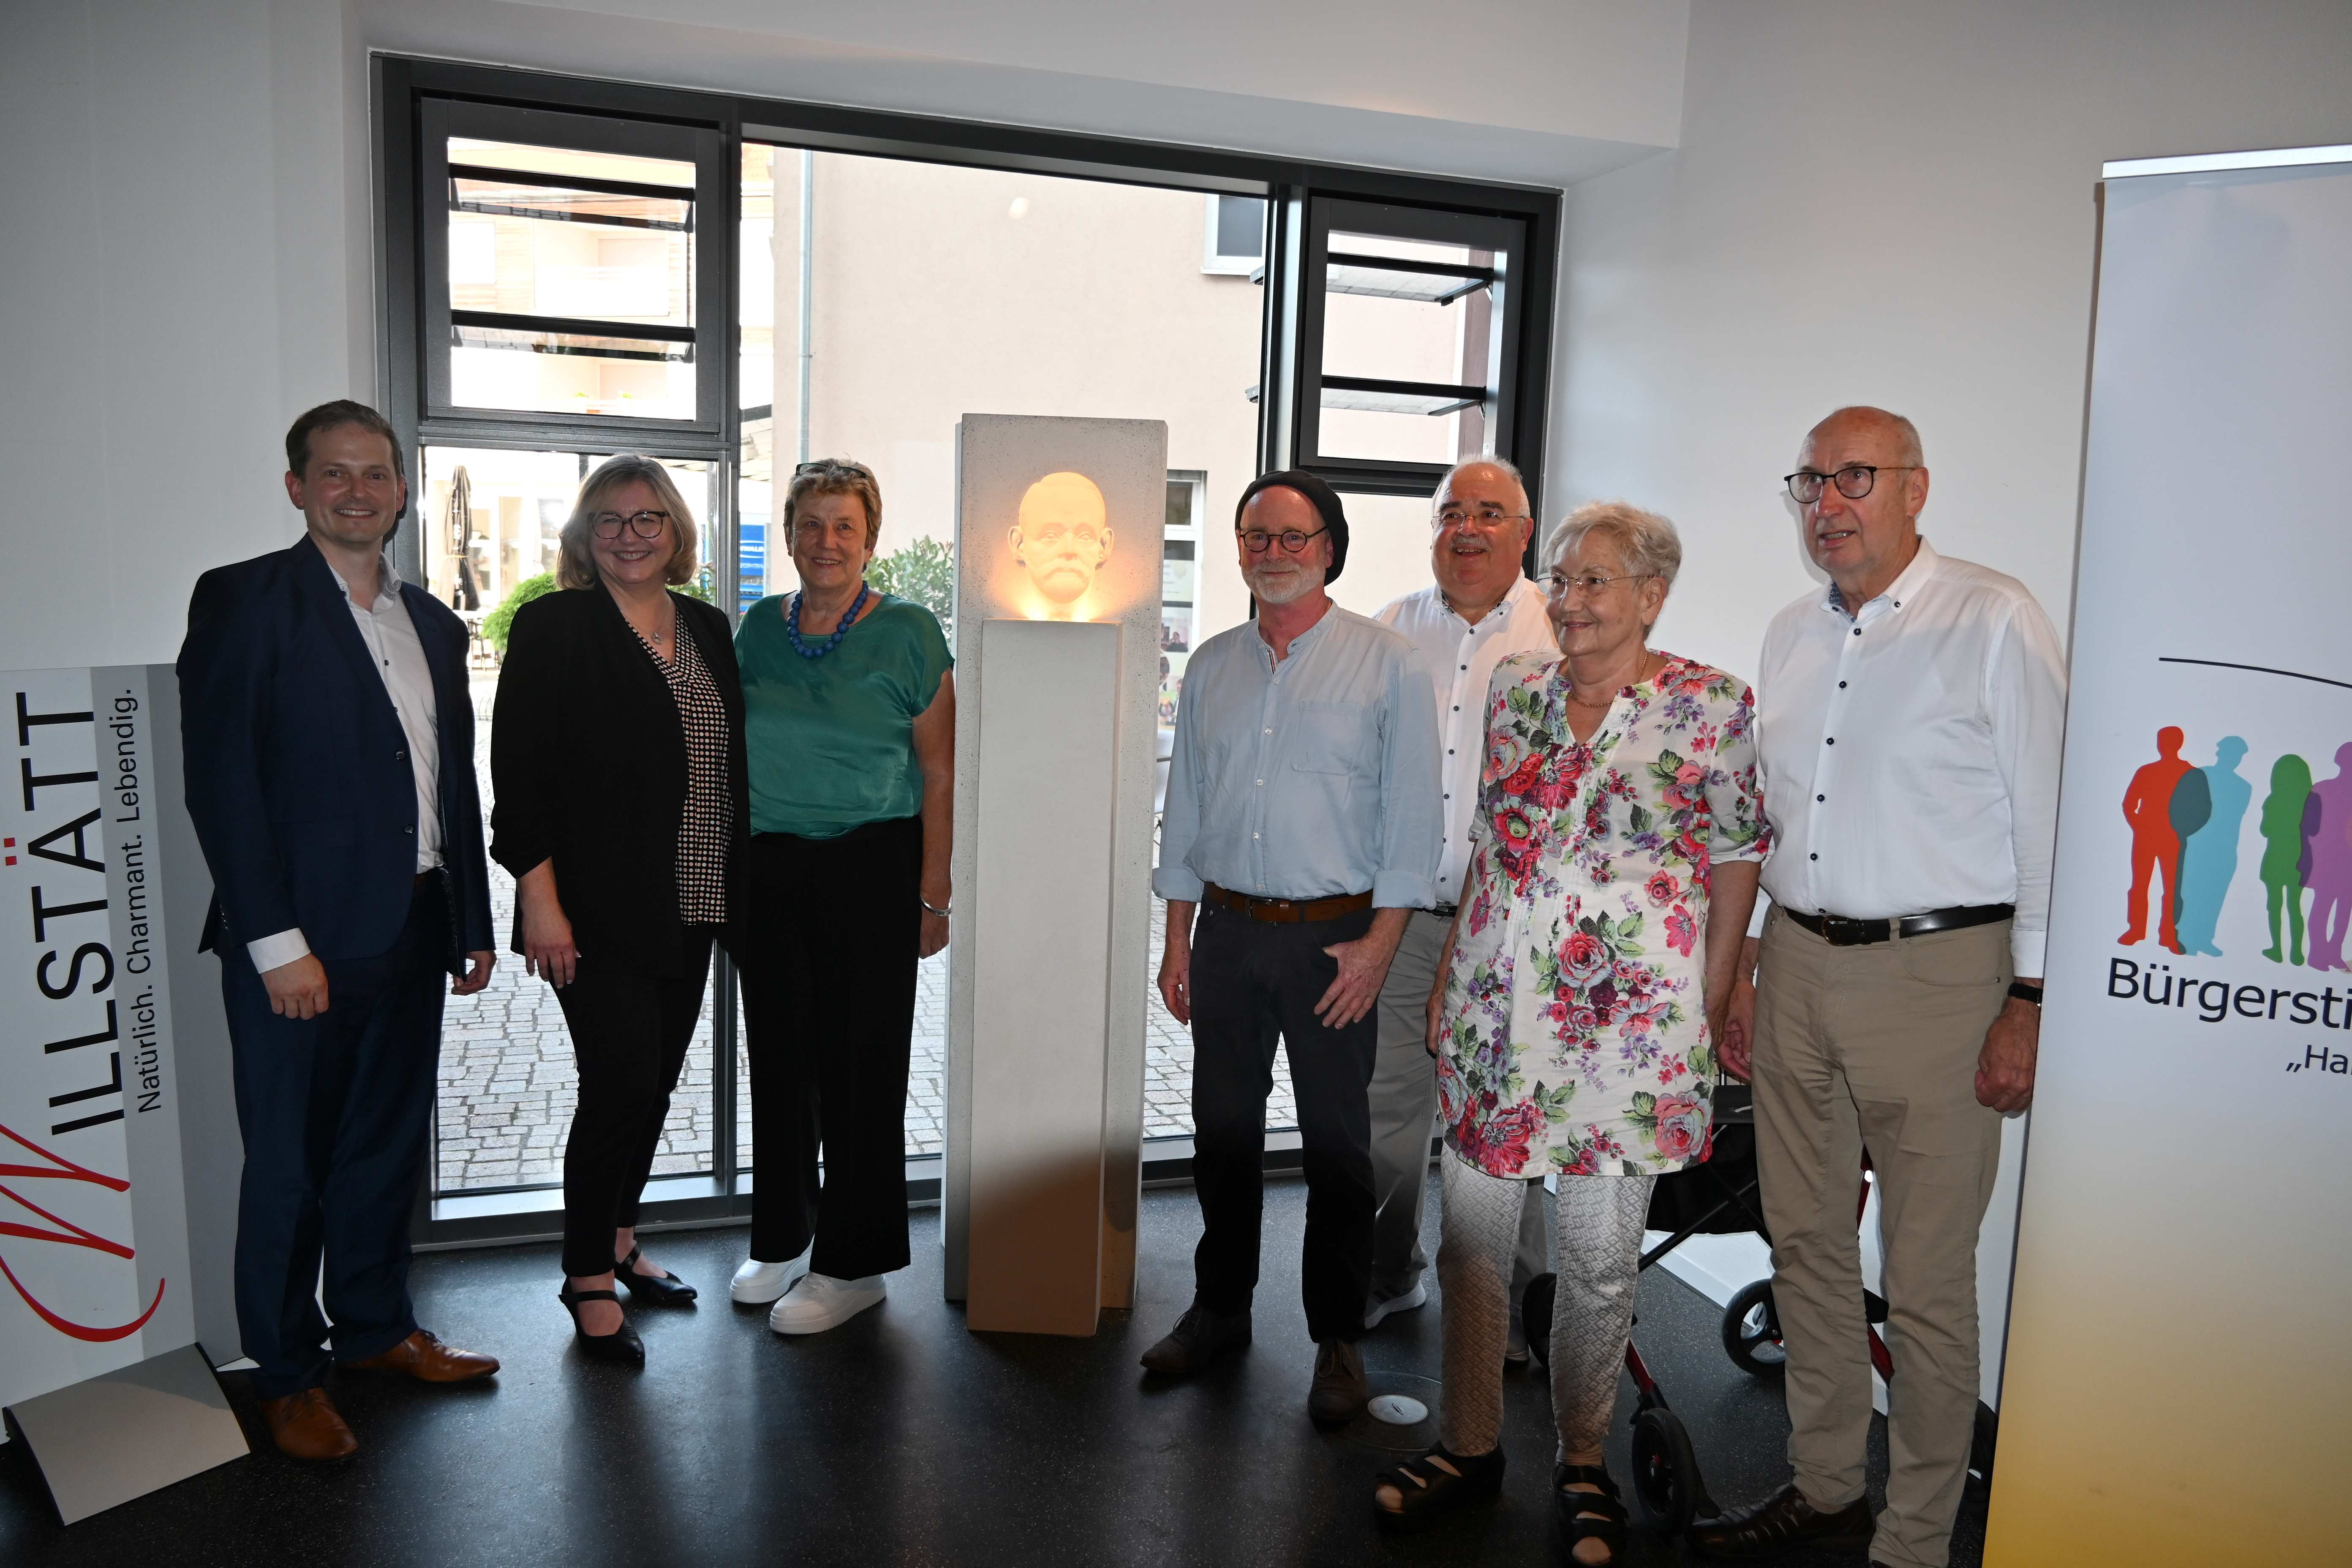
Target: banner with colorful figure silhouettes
2184, 1260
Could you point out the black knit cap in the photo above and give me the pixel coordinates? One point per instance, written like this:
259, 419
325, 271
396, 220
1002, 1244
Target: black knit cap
1325, 500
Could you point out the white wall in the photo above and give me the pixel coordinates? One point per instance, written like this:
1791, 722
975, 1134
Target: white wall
177, 277
1891, 202
185, 261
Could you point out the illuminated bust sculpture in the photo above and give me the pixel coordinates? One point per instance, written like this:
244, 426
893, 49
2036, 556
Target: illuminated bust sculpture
1062, 536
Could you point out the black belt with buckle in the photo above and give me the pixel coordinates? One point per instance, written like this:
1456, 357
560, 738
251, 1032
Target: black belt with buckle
1442, 911
1840, 932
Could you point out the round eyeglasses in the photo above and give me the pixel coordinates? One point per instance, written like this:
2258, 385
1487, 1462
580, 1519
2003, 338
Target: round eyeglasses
1853, 482
644, 524
1256, 540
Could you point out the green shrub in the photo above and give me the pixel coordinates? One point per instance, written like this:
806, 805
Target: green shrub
923, 571
500, 621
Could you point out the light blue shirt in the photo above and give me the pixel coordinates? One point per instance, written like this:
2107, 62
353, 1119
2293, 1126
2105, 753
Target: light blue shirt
1308, 779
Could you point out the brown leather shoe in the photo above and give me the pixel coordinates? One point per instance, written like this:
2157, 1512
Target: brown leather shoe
426, 1359
306, 1425
1784, 1522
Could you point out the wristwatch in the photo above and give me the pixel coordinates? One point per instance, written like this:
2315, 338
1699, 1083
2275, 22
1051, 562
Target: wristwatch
2025, 993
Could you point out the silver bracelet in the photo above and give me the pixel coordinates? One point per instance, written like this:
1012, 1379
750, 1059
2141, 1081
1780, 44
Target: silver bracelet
932, 908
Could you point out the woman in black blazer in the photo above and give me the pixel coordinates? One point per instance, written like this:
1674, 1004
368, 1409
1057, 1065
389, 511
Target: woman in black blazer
616, 752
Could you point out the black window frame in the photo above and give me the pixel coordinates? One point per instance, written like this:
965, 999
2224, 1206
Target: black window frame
410, 243
1501, 394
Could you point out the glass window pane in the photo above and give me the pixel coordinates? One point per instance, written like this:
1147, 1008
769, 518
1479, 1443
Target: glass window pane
1399, 323
917, 292
1388, 550
492, 522
1390, 438
545, 239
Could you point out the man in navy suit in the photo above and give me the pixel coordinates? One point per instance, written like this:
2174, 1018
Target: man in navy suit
330, 744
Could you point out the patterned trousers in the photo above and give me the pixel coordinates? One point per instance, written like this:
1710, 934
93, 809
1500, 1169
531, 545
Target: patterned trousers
1597, 1251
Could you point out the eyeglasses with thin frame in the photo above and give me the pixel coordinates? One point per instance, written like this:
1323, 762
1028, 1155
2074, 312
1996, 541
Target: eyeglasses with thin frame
644, 524
823, 465
1484, 518
1592, 584
1256, 540
1853, 482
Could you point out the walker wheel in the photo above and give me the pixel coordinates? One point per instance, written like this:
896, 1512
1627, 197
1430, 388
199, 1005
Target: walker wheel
1751, 1331
1665, 1469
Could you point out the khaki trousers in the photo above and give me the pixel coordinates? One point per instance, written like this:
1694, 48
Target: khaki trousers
1875, 1048
1404, 1112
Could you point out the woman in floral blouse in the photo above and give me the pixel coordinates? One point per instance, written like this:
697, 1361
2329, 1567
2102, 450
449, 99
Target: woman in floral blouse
1614, 862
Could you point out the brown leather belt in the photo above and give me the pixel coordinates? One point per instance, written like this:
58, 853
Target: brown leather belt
1840, 932
1285, 911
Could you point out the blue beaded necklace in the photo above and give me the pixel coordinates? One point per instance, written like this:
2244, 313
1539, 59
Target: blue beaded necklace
819, 649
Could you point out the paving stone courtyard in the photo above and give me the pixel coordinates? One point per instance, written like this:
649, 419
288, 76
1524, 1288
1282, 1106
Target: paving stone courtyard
508, 1088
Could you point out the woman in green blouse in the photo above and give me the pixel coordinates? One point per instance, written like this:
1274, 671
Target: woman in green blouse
849, 714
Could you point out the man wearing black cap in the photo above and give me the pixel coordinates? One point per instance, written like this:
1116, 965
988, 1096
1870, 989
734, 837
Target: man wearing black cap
1303, 826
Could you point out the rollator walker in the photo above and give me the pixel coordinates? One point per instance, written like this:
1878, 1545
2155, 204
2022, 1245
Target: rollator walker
1719, 1197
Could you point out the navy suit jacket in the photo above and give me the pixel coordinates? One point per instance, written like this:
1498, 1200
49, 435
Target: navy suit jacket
299, 778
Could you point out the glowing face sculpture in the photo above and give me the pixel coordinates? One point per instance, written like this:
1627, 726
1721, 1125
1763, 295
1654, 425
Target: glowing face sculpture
1062, 538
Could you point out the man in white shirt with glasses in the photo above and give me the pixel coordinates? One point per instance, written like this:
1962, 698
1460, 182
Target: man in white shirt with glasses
1481, 609
1909, 722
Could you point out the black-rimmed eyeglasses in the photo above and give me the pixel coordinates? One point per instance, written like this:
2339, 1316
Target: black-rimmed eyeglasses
1256, 540
829, 465
644, 524
1853, 482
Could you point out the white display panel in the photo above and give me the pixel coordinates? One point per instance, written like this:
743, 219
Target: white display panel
2183, 1200
1058, 520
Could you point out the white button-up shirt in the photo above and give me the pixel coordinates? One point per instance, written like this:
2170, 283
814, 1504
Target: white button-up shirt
1462, 659
399, 658
1910, 753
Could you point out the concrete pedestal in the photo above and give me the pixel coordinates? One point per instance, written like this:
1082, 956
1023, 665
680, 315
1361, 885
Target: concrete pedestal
1048, 750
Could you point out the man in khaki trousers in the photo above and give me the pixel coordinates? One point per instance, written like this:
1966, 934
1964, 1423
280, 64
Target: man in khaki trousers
1909, 720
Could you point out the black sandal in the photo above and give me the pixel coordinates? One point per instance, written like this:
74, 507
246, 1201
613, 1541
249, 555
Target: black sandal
1588, 1516
1426, 1489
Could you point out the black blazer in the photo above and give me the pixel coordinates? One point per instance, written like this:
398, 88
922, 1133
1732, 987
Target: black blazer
299, 778
588, 764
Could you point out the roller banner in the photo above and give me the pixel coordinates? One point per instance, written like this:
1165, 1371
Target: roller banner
94, 1252
2179, 1383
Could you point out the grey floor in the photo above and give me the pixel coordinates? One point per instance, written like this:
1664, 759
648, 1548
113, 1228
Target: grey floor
900, 1438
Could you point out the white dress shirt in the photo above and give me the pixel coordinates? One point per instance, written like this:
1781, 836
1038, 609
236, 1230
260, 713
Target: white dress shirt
1462, 659
1910, 753
399, 658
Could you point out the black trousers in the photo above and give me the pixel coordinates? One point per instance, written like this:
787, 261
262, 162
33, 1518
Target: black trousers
1252, 981
334, 1111
629, 1035
830, 933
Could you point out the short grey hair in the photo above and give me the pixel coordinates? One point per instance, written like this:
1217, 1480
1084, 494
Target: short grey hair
576, 563
1647, 542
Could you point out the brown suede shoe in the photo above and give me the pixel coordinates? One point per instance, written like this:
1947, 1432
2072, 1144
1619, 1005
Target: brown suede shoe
1786, 1521
306, 1425
426, 1359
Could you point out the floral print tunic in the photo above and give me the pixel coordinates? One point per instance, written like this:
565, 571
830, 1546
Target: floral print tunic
1575, 1038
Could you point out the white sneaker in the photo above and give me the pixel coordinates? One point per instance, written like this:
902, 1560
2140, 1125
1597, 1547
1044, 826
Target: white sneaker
757, 1283
820, 1303
1417, 1297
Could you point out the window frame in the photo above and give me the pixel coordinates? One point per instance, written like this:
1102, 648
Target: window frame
411, 255
1504, 395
